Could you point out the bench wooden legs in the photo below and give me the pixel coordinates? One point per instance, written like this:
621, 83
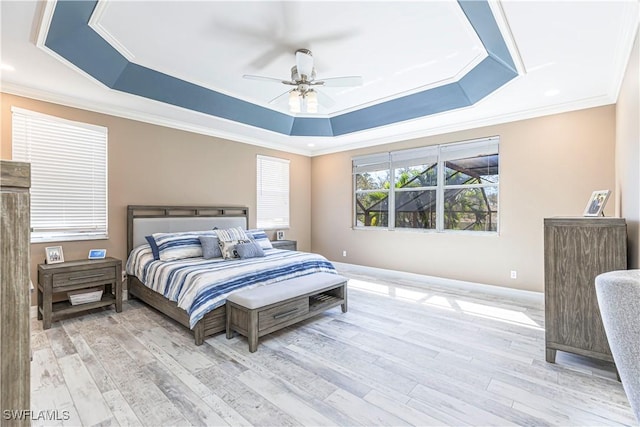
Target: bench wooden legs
251, 318
229, 331
252, 331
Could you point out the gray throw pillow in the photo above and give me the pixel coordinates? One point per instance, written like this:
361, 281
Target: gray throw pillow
250, 249
210, 247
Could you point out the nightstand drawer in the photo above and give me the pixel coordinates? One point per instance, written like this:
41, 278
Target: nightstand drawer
289, 245
282, 313
86, 276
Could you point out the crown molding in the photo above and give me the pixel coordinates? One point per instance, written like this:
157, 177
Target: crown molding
628, 31
95, 22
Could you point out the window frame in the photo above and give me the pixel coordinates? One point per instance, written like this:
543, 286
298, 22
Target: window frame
473, 146
99, 228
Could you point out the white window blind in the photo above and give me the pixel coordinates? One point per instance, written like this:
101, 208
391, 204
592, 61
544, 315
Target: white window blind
273, 193
68, 175
415, 156
370, 162
461, 150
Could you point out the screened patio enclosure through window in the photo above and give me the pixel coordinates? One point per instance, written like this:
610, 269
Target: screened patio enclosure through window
463, 195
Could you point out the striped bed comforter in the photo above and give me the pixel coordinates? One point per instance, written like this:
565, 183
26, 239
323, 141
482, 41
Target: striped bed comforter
200, 285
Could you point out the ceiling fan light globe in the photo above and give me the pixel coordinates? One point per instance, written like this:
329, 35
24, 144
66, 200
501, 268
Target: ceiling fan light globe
311, 101
294, 101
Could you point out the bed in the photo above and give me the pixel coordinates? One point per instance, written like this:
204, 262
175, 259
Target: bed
193, 291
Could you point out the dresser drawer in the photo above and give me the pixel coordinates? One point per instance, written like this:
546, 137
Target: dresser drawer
276, 315
85, 276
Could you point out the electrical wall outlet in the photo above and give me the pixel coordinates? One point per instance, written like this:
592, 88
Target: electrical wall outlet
344, 253
514, 274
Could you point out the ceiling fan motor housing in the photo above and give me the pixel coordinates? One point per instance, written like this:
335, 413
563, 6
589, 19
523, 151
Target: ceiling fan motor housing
300, 79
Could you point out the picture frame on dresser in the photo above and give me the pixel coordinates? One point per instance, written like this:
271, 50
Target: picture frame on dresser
596, 203
53, 254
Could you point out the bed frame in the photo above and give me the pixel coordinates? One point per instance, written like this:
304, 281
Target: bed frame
145, 220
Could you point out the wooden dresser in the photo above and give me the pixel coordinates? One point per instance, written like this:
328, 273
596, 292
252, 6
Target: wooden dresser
15, 297
576, 250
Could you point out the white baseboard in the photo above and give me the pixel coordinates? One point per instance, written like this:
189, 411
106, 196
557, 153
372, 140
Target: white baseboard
421, 280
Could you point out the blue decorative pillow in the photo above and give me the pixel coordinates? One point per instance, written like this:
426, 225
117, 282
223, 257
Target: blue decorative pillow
261, 237
173, 246
210, 247
154, 247
251, 249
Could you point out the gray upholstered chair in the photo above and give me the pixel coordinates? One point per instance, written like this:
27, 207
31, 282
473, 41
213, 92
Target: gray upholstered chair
619, 300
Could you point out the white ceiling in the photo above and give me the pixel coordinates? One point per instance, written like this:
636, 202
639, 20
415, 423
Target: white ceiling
569, 54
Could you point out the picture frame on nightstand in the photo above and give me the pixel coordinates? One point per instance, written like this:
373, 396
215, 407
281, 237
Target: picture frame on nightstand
280, 235
53, 254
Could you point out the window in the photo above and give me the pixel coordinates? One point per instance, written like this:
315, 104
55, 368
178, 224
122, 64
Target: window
372, 184
68, 175
445, 187
273, 193
415, 187
470, 186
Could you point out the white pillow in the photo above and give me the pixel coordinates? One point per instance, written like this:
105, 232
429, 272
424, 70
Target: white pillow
261, 237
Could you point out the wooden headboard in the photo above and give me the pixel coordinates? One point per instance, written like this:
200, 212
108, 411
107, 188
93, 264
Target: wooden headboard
145, 220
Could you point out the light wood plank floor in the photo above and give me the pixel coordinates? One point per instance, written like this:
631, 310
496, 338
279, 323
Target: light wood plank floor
402, 355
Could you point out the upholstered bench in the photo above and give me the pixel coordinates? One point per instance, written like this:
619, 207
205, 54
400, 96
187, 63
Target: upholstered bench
265, 309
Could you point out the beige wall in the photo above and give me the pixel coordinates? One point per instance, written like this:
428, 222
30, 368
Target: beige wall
628, 153
548, 167
151, 164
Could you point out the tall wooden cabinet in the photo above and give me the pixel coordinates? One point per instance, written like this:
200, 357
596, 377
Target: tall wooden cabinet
15, 180
576, 250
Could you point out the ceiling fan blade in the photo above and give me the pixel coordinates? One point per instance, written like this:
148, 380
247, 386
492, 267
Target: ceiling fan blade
279, 97
340, 81
265, 79
337, 36
325, 100
304, 62
268, 57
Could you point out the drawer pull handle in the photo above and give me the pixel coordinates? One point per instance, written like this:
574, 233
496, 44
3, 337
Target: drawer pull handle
285, 314
90, 276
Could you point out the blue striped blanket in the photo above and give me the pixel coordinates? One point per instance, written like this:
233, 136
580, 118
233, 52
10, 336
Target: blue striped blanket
200, 285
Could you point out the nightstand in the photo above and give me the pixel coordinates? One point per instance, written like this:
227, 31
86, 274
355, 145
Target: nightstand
290, 245
73, 276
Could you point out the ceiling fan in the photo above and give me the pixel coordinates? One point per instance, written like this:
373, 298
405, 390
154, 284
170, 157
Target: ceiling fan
303, 97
